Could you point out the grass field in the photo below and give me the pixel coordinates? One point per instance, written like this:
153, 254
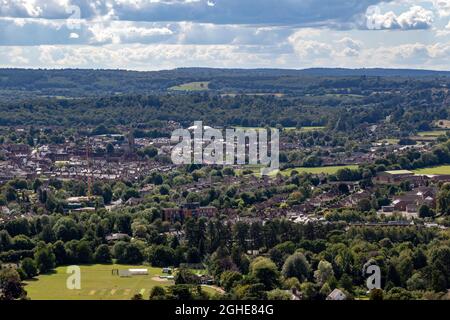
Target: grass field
389, 141
278, 95
191, 86
287, 172
434, 133
302, 129
97, 283
443, 124
434, 170
318, 170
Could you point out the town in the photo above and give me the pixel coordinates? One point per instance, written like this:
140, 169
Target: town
356, 187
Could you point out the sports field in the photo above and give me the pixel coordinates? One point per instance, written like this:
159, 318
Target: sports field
191, 86
98, 283
318, 170
287, 172
434, 133
305, 129
434, 170
302, 129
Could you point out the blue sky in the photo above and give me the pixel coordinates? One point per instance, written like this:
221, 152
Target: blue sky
165, 34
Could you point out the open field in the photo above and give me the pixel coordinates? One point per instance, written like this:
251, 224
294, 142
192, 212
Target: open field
97, 283
389, 141
232, 95
434, 170
287, 172
434, 133
318, 170
443, 124
302, 129
191, 86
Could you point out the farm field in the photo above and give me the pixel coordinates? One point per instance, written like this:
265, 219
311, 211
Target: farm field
191, 86
98, 283
389, 141
434, 170
443, 124
302, 129
232, 95
434, 133
317, 170
305, 129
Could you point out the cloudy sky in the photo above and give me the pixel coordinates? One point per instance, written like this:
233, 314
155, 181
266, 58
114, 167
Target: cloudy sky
164, 34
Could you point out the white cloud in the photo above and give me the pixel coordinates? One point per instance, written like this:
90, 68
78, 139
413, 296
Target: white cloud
155, 34
116, 32
415, 18
348, 47
442, 7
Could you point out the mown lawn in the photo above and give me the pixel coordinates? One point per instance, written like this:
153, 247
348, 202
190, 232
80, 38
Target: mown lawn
434, 133
97, 283
434, 170
287, 172
318, 170
302, 129
192, 86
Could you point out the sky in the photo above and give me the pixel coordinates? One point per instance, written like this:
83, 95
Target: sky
166, 34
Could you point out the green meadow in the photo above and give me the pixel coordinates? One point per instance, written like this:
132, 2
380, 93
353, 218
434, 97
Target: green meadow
191, 86
434, 133
311, 170
302, 129
318, 170
98, 283
434, 170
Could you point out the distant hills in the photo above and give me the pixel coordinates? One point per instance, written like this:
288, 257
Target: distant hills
323, 72
20, 83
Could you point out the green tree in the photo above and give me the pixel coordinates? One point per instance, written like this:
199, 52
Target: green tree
185, 276
10, 285
157, 293
84, 252
229, 278
45, 259
102, 254
266, 272
297, 266
278, 294
324, 272
29, 268
425, 211
376, 294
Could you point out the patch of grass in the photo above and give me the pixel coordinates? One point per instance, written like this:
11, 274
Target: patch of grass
443, 124
97, 283
232, 95
434, 133
389, 141
318, 170
434, 170
192, 86
287, 172
302, 129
